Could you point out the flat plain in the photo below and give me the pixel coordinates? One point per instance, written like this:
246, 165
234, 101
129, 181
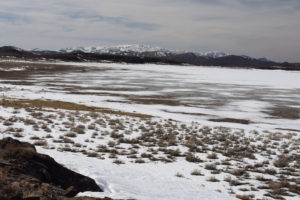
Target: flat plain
160, 131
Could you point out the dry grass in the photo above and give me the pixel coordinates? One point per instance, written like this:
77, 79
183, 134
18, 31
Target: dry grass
41, 143
231, 120
29, 69
243, 197
213, 179
153, 100
284, 112
118, 162
156, 139
212, 156
282, 161
139, 161
210, 166
71, 134
192, 158
80, 129
179, 175
22, 103
196, 172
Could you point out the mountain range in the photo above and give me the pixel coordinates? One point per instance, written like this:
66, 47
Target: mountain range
138, 50
145, 54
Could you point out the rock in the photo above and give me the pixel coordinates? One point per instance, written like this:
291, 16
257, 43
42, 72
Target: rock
26, 174
70, 192
32, 198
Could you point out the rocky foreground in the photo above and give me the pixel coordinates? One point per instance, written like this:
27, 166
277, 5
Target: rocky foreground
26, 174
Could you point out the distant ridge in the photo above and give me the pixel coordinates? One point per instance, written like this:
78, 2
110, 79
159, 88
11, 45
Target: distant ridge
142, 54
139, 50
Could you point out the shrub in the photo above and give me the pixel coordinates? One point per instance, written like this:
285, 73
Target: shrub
111, 143
243, 197
94, 135
179, 175
282, 161
213, 179
233, 182
217, 171
35, 138
118, 162
196, 172
49, 136
91, 126
238, 172
210, 166
40, 143
175, 153
29, 122
92, 154
67, 140
225, 162
77, 145
132, 156
146, 155
139, 160
271, 171
277, 188
71, 134
8, 123
112, 155
192, 158
212, 156
79, 129
262, 178
18, 135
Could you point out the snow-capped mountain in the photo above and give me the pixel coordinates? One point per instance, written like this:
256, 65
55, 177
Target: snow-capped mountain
213, 54
131, 50
144, 54
264, 59
139, 50
115, 49
42, 51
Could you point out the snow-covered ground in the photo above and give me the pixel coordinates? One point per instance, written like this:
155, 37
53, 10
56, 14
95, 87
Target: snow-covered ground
184, 93
142, 181
227, 124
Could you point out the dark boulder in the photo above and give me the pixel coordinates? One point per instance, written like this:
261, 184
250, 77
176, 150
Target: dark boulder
31, 175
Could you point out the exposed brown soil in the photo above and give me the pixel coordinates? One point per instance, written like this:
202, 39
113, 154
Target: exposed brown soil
284, 112
41, 66
163, 100
287, 129
3, 89
79, 88
231, 120
18, 82
167, 102
97, 93
187, 113
19, 103
28, 69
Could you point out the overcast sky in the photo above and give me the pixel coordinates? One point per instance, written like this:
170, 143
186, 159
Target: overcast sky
258, 28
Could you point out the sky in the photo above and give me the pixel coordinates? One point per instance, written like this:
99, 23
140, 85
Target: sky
257, 28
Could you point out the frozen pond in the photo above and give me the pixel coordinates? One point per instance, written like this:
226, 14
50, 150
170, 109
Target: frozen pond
245, 98
234, 131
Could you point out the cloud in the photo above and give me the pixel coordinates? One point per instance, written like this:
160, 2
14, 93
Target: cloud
123, 21
13, 18
259, 28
